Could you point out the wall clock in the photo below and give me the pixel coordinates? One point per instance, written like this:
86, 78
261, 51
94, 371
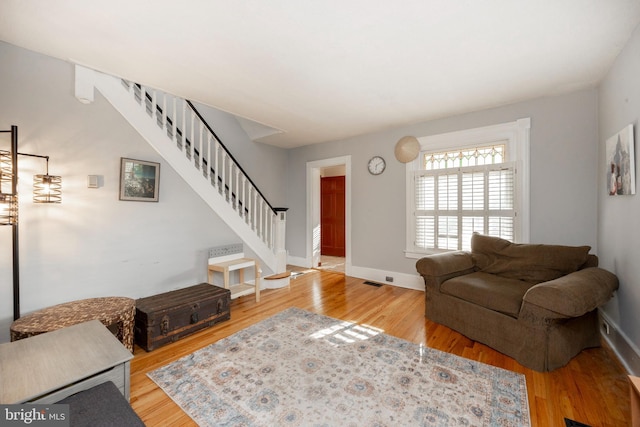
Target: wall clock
376, 165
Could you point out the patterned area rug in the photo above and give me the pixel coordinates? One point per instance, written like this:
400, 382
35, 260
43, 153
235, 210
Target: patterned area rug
303, 369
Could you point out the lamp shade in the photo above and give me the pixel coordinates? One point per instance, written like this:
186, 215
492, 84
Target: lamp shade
47, 189
6, 172
8, 209
407, 149
8, 201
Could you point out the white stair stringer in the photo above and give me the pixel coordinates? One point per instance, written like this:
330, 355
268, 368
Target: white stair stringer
259, 238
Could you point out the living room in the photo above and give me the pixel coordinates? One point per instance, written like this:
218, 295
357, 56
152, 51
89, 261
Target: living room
96, 245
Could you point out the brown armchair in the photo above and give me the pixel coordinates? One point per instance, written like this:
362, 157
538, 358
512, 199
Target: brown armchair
535, 303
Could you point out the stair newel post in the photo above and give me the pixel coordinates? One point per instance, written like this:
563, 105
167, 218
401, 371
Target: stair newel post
280, 239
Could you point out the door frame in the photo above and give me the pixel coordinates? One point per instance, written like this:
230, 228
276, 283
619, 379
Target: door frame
314, 169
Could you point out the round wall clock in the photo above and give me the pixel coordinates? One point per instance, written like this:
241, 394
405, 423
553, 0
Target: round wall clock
376, 165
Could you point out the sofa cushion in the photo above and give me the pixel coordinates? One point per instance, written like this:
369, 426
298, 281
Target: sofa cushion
529, 262
488, 290
101, 406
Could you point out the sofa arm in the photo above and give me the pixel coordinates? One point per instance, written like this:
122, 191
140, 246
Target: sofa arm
575, 294
440, 267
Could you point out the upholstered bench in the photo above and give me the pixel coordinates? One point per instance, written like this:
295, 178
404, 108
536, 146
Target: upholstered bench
117, 312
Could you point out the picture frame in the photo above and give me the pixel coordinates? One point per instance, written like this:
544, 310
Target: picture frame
620, 166
139, 180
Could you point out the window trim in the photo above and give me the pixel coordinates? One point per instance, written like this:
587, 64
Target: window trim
517, 140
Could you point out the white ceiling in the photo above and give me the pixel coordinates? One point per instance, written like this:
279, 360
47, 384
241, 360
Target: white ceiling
322, 70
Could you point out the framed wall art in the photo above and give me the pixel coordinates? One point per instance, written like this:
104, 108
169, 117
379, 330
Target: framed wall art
139, 180
620, 166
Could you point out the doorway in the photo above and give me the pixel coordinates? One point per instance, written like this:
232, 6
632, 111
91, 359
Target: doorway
332, 216
316, 170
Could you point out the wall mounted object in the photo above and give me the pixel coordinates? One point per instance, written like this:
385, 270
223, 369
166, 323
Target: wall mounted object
620, 167
376, 165
139, 180
407, 149
93, 181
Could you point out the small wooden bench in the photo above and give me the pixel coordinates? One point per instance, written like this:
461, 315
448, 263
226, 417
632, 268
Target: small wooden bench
230, 263
110, 311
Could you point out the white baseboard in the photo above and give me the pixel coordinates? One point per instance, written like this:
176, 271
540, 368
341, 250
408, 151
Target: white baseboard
622, 346
402, 280
299, 261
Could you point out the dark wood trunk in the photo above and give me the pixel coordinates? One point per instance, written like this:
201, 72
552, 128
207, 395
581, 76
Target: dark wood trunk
167, 317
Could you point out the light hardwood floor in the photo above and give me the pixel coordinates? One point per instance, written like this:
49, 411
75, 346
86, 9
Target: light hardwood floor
591, 389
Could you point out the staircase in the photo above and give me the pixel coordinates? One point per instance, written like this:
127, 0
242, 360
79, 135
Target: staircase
177, 131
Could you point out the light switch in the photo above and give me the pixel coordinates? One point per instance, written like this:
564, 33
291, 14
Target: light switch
92, 181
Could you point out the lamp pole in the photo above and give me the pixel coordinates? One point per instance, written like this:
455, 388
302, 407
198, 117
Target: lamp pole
14, 226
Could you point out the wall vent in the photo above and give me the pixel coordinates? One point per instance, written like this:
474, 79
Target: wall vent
231, 249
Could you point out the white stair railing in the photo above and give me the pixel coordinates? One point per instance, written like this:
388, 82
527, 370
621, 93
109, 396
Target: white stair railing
178, 132
200, 144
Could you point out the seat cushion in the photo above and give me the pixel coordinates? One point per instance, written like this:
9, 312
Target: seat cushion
534, 263
101, 406
488, 290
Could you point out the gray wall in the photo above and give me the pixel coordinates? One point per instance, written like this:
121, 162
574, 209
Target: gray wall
265, 164
93, 244
618, 230
563, 179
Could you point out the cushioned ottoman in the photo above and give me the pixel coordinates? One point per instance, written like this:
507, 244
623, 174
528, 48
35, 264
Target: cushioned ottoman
101, 406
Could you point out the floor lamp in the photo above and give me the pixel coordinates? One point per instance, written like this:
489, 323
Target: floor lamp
47, 189
9, 207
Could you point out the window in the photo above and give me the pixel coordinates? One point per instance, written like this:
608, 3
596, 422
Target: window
465, 182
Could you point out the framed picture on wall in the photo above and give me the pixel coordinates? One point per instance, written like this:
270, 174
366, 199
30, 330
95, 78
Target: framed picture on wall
620, 166
139, 180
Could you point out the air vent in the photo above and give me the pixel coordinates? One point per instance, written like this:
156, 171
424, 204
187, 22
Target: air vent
377, 285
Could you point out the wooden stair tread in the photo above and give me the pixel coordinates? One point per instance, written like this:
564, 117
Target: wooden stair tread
278, 276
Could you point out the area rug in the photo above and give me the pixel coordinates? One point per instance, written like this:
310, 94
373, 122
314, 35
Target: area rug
303, 369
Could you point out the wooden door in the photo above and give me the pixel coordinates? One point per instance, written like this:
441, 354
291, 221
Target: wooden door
332, 216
